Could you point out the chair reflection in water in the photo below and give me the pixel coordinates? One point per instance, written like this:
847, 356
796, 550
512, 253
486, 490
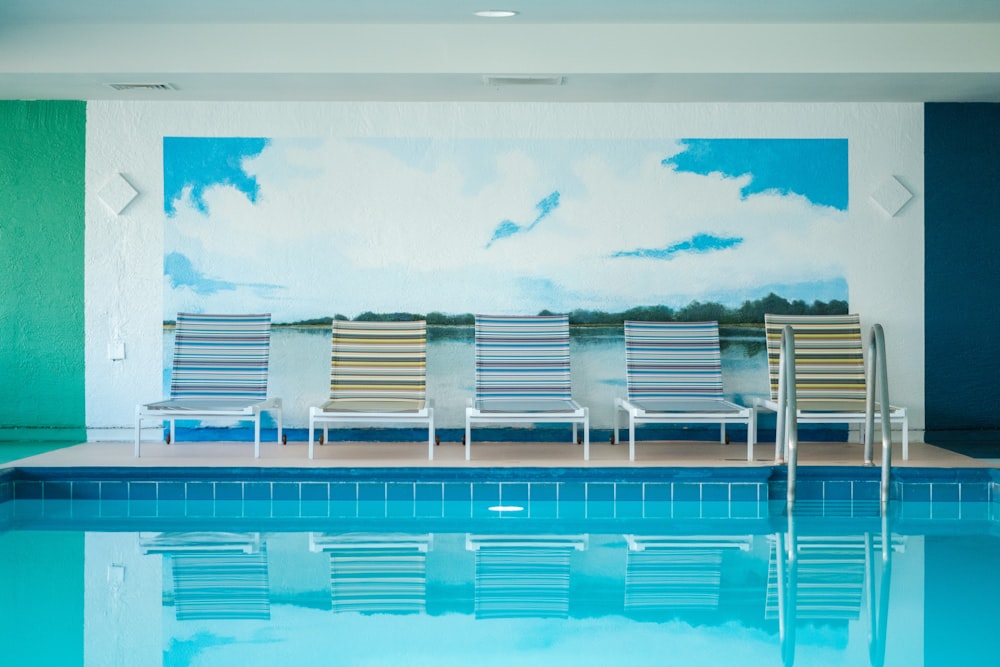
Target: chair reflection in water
827, 580
666, 574
215, 576
376, 573
523, 576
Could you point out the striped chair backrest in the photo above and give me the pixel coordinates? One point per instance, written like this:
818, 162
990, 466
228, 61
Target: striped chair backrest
522, 357
673, 360
221, 356
219, 585
829, 364
379, 360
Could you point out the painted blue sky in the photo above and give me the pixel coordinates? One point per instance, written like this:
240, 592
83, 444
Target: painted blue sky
198, 163
814, 168
307, 228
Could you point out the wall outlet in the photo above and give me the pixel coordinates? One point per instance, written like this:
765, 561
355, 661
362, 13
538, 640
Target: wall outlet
116, 351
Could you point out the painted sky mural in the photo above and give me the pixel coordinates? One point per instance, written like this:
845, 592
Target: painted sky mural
311, 228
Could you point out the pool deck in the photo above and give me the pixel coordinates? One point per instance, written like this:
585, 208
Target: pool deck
484, 455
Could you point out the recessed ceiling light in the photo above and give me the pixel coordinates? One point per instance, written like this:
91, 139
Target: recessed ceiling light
496, 13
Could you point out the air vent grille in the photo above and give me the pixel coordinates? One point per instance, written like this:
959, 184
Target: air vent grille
141, 86
517, 80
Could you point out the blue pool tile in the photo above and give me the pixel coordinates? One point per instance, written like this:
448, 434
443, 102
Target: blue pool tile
369, 491
458, 491
866, 490
838, 490
543, 492
113, 508
58, 490
171, 491
344, 491
573, 491
429, 508
809, 489
572, 509
945, 510
86, 490
230, 508
316, 491
600, 492
658, 492
343, 508
457, 509
685, 509
945, 493
428, 492
400, 509
28, 489
687, 492
146, 507
628, 492
286, 508
543, 509
715, 492
486, 493
916, 493
200, 491
171, 508
142, 491
313, 508
285, 491
89, 508
744, 493
114, 490
399, 491
229, 491
975, 492
371, 509
747, 509
514, 492
715, 509
200, 508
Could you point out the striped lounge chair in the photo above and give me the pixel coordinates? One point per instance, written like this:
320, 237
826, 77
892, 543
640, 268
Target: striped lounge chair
830, 380
523, 375
376, 573
674, 376
523, 576
215, 576
219, 370
378, 374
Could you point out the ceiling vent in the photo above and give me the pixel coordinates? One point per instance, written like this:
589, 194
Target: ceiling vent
142, 86
516, 80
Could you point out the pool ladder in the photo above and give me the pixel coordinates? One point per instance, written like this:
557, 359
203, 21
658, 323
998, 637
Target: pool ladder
876, 377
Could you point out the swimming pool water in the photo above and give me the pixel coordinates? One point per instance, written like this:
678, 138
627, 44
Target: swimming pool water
496, 568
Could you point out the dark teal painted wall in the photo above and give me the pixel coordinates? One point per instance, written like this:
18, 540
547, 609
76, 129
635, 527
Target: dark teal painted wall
42, 383
962, 271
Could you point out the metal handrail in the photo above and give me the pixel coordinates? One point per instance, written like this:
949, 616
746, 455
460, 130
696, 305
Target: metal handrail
787, 440
877, 376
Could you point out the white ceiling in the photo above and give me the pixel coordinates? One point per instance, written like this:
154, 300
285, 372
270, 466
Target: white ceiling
597, 50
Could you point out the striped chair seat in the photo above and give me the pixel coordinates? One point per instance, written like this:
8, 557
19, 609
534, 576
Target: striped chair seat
378, 374
523, 374
674, 375
219, 369
830, 384
829, 582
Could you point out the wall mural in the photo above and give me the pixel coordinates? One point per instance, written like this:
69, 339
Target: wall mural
312, 229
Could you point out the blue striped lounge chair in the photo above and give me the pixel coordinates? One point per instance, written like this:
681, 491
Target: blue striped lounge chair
674, 376
219, 371
523, 576
378, 374
376, 573
523, 375
216, 576
830, 380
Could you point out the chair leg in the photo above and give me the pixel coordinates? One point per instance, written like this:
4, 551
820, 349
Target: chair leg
468, 440
312, 425
256, 435
586, 434
631, 437
138, 428
430, 435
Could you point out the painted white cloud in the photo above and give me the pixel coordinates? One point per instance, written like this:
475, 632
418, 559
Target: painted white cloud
343, 227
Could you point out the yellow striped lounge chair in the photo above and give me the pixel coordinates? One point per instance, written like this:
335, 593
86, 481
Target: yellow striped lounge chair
378, 374
219, 371
830, 380
523, 375
215, 576
674, 376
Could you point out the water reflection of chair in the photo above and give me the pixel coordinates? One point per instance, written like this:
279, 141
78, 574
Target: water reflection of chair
215, 575
666, 574
821, 580
376, 573
523, 576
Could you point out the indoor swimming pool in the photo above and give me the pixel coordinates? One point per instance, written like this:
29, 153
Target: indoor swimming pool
656, 566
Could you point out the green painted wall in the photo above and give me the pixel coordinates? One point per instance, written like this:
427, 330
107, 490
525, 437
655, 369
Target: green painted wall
42, 157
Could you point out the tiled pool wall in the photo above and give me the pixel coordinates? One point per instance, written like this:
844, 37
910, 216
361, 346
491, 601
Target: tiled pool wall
442, 493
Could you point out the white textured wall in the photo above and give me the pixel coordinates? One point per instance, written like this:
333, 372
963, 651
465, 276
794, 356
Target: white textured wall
883, 256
